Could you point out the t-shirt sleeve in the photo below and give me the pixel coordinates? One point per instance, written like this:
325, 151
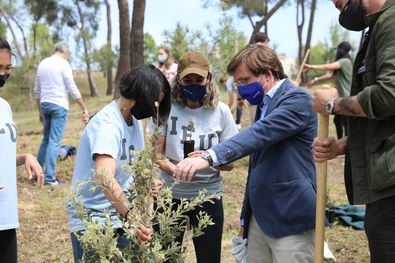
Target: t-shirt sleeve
343, 62
228, 124
105, 139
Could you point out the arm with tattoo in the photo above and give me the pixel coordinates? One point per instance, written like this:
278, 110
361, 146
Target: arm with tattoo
349, 106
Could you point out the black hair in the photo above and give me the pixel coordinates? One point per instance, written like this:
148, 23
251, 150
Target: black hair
144, 84
5, 45
261, 37
342, 50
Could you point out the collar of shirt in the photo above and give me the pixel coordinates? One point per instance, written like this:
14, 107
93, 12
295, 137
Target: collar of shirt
273, 91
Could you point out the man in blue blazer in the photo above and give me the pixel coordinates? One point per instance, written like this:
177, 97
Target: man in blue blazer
279, 205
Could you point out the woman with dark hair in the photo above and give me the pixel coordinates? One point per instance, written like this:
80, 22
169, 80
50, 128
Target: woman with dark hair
197, 115
341, 70
109, 141
9, 159
166, 64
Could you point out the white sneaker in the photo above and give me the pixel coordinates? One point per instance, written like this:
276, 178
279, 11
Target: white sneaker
238, 126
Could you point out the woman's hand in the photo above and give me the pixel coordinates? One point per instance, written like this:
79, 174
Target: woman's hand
144, 233
307, 67
32, 166
157, 185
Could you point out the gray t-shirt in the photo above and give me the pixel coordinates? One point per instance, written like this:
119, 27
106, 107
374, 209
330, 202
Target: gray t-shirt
344, 77
211, 126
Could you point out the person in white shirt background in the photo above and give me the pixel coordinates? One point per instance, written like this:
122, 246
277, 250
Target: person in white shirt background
54, 82
195, 99
9, 159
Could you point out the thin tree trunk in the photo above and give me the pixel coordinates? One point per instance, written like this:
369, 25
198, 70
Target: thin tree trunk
300, 18
266, 17
309, 34
137, 34
109, 46
124, 43
23, 34
18, 50
92, 85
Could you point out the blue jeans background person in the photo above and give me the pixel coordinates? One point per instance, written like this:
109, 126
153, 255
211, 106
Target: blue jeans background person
54, 121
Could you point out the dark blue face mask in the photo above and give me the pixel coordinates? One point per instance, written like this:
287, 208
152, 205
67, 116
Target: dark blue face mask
252, 92
193, 92
3, 79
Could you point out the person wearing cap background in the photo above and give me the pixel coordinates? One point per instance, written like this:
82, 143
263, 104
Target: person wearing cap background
279, 205
196, 99
341, 70
369, 148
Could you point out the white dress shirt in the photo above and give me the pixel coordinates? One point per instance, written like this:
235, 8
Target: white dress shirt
54, 81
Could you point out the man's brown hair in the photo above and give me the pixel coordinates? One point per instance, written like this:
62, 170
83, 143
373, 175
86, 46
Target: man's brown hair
258, 59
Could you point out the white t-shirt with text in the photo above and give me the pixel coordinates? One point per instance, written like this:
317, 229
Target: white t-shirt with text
211, 126
8, 195
106, 133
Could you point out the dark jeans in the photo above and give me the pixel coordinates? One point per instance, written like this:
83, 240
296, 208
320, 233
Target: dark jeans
239, 112
208, 245
8, 246
380, 230
78, 252
341, 124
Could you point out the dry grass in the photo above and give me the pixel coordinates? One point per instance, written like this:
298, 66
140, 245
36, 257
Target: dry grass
43, 235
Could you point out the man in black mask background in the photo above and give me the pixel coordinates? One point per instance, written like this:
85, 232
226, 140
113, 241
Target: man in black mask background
370, 145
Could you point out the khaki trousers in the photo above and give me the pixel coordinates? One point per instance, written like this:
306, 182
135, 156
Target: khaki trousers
290, 249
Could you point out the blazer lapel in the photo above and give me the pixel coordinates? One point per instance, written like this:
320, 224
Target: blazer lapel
278, 95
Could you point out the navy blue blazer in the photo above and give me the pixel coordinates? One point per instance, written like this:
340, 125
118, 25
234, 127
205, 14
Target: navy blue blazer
281, 184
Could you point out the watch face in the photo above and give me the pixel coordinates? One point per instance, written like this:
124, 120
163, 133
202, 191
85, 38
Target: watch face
328, 107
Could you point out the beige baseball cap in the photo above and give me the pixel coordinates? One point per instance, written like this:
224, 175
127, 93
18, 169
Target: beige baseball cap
193, 62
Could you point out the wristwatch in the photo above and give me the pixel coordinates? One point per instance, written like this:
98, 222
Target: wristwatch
330, 105
206, 156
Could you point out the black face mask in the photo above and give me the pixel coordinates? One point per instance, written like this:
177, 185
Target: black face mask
141, 111
353, 17
3, 79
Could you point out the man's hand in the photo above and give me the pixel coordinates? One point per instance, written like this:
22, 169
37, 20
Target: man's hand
85, 116
321, 98
240, 103
241, 231
326, 150
187, 168
32, 166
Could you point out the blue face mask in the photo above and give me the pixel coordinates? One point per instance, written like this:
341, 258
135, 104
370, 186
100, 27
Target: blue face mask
193, 92
252, 92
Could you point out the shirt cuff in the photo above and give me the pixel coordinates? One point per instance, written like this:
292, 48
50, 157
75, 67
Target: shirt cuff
214, 157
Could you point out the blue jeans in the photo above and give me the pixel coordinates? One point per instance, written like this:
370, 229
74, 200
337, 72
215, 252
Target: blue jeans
55, 118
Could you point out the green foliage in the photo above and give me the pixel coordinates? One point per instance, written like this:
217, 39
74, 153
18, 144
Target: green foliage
220, 45
3, 30
44, 43
99, 241
247, 7
324, 52
105, 57
150, 49
179, 40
